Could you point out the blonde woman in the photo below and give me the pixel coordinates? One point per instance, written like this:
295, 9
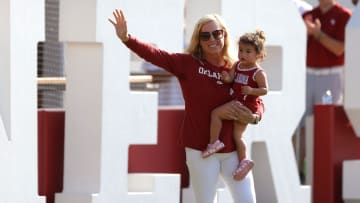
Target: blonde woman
199, 74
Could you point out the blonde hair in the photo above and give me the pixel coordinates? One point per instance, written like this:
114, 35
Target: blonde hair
194, 47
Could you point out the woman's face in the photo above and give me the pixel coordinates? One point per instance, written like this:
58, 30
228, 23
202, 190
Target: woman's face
211, 38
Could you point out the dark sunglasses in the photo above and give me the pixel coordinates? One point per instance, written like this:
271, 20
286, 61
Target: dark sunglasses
217, 34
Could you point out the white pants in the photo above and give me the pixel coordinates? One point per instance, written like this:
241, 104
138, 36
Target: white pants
204, 175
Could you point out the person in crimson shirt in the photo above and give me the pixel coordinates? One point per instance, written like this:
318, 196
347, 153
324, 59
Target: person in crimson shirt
325, 26
199, 74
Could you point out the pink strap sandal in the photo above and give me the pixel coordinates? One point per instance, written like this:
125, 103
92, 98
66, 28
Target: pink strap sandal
213, 148
243, 169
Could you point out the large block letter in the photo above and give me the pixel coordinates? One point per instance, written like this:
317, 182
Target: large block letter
285, 66
102, 116
21, 28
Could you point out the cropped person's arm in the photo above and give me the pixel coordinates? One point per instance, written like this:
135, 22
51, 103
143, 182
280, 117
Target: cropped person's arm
330, 43
314, 29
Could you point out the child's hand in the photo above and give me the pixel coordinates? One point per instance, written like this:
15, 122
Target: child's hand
246, 90
225, 76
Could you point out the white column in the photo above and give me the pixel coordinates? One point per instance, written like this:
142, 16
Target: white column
5, 69
352, 105
21, 28
102, 116
352, 61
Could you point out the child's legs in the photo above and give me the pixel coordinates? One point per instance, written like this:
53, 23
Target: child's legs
239, 129
217, 115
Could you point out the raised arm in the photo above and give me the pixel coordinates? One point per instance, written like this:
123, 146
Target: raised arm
172, 62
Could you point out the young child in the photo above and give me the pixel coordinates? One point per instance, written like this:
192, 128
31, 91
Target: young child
249, 83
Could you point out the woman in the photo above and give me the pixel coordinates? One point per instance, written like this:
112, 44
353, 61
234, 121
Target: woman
198, 72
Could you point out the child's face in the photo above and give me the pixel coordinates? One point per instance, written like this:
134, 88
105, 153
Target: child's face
247, 54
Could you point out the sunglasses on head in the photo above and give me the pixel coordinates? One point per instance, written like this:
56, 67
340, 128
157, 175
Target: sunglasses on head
217, 34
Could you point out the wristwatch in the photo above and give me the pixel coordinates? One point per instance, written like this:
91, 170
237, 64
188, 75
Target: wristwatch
257, 119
